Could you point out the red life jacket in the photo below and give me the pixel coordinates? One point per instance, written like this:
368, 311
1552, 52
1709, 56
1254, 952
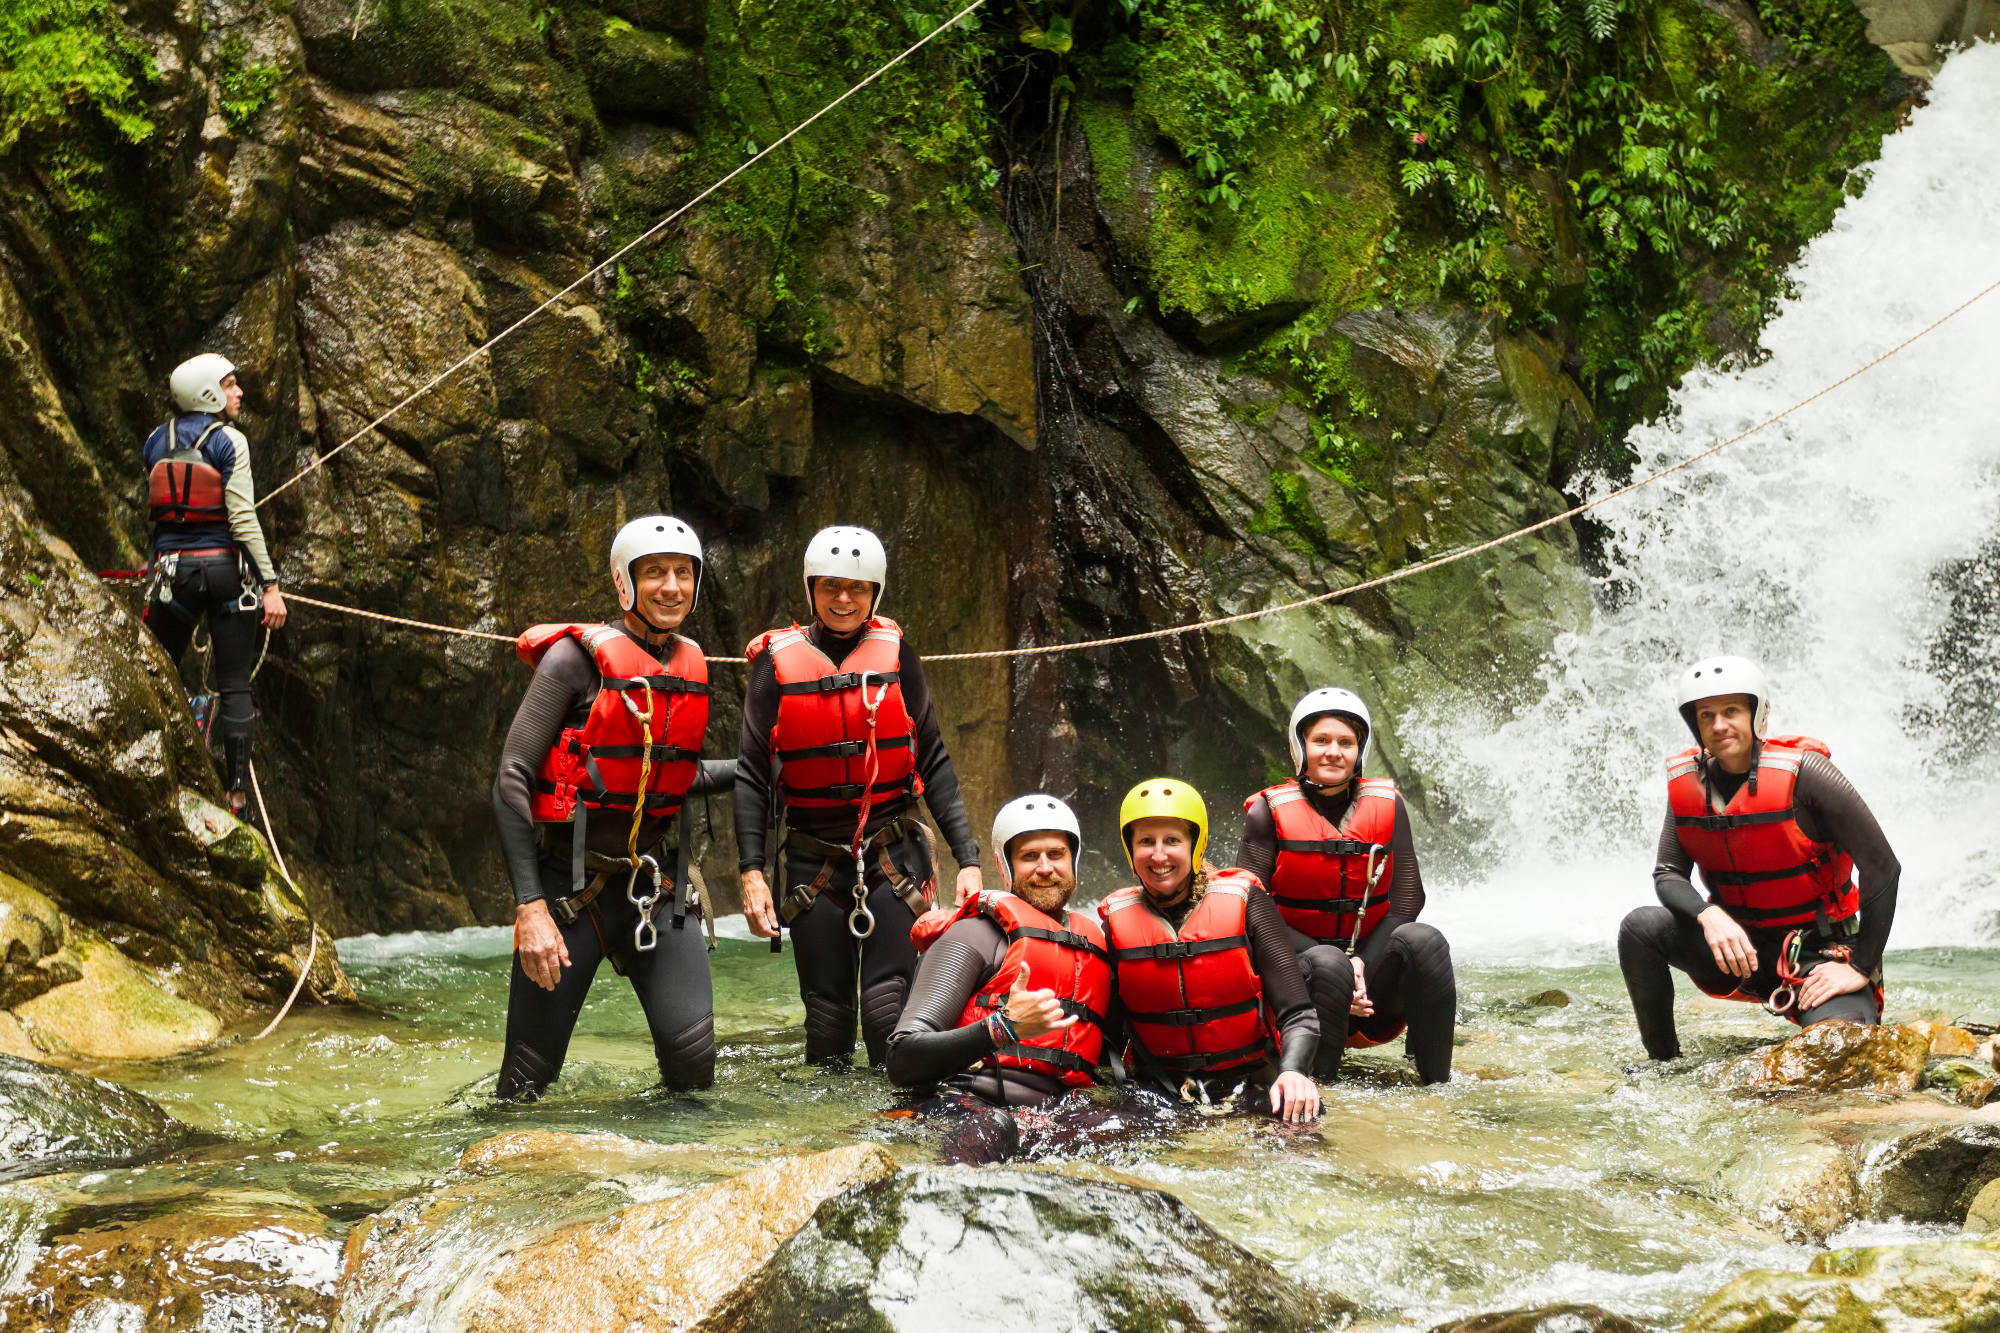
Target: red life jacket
598, 767
1322, 871
1194, 999
1071, 962
820, 739
1754, 859
184, 487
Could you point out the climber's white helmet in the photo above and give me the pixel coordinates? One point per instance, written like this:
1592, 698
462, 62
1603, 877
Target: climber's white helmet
1039, 813
848, 553
1318, 703
197, 383
656, 534
1713, 676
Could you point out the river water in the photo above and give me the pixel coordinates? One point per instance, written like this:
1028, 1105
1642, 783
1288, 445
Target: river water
1847, 549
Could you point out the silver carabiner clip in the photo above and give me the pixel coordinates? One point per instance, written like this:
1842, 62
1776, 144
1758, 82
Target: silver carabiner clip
1781, 1007
860, 921
645, 935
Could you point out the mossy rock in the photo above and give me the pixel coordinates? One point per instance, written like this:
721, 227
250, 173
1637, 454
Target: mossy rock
115, 1011
236, 851
1943, 1287
640, 73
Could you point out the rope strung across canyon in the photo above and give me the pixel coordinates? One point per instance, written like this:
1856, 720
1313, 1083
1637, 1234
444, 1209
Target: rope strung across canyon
644, 236
1395, 576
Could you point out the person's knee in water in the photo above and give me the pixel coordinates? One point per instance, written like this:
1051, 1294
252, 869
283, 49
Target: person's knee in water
838, 721
1337, 854
1203, 968
209, 558
1779, 836
597, 765
1010, 995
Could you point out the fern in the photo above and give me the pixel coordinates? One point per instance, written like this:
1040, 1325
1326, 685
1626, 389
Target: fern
1602, 16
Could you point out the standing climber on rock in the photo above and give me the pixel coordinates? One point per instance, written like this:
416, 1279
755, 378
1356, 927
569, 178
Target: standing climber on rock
1206, 981
209, 557
1009, 1004
1335, 849
596, 766
838, 719
1778, 834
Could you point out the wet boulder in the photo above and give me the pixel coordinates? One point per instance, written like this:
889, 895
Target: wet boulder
1544, 1319
1952, 1074
1802, 1189
666, 1264
1984, 1214
1933, 1175
1836, 1057
1000, 1249
1930, 1288
52, 1119
250, 1261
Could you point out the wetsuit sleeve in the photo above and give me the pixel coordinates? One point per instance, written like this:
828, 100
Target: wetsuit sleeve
941, 791
928, 1045
1406, 889
1277, 966
239, 497
714, 777
1258, 852
564, 673
1831, 810
753, 763
1673, 871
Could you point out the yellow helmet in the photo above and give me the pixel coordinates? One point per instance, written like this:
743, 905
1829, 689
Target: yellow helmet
1168, 798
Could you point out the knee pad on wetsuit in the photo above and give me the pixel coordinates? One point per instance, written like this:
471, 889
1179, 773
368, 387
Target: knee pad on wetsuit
523, 1074
881, 1006
687, 1061
1426, 948
829, 1030
1330, 981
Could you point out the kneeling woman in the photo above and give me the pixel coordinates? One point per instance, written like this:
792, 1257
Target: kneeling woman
1008, 1003
1204, 969
1336, 851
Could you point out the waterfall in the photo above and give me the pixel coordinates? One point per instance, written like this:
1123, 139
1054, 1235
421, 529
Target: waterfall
1853, 550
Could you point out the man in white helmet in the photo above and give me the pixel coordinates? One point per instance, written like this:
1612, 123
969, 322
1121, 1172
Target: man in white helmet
600, 758
1779, 835
839, 723
209, 557
1335, 851
1010, 1041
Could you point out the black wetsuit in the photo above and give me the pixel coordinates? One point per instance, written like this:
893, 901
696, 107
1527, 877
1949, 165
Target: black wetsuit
929, 1046
1653, 940
1407, 964
671, 980
831, 962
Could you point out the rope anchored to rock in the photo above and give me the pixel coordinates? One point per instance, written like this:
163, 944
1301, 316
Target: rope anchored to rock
1394, 576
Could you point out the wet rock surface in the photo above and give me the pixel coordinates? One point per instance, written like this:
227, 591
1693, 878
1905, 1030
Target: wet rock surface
1933, 1175
1947, 1285
1835, 1057
1544, 1319
52, 1119
1001, 1249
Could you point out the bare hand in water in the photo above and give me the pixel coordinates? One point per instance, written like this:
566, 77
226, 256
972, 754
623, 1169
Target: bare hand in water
1294, 1097
1733, 951
1034, 1012
1361, 1006
539, 944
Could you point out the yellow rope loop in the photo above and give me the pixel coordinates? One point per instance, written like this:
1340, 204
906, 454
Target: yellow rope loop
645, 767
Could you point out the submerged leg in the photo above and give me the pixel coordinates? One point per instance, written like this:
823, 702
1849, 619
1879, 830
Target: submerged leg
678, 996
826, 955
888, 959
540, 1022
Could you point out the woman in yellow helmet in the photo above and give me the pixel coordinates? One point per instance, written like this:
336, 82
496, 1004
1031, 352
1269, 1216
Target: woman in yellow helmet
1205, 980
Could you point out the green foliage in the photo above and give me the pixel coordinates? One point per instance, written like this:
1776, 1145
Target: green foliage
1289, 516
243, 87
56, 54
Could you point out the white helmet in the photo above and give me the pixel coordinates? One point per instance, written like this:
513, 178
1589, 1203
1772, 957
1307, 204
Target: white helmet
656, 534
197, 383
1318, 703
1724, 675
1040, 813
847, 553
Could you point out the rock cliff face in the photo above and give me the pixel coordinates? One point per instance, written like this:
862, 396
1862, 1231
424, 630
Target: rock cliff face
1009, 313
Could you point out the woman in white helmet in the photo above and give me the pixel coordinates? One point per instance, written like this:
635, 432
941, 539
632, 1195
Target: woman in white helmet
209, 557
1779, 836
1334, 849
598, 762
838, 722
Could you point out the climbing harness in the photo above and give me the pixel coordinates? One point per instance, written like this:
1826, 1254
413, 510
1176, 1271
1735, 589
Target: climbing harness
1784, 1000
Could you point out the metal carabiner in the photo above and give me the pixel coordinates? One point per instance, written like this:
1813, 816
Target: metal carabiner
1779, 1007
645, 935
860, 921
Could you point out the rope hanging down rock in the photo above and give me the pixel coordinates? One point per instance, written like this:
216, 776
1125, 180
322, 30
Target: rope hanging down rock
1395, 576
616, 255
312, 927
